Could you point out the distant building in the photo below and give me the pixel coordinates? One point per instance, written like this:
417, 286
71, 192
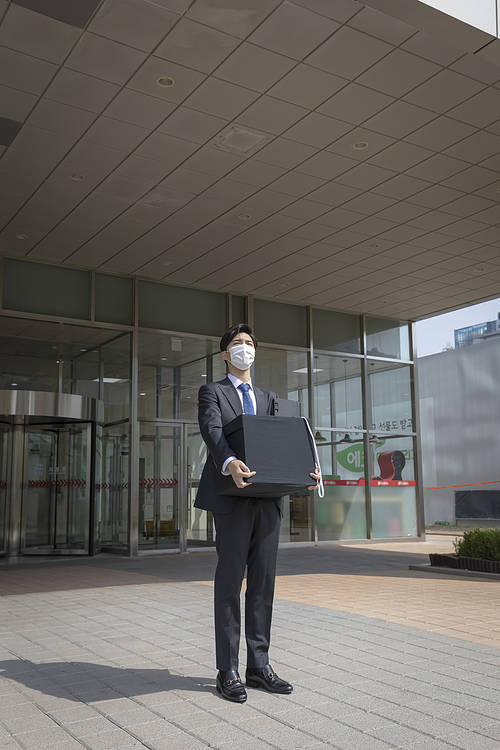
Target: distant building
477, 333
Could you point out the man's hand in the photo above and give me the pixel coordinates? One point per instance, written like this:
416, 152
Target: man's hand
316, 476
239, 471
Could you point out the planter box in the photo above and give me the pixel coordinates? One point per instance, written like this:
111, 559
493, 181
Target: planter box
444, 561
465, 563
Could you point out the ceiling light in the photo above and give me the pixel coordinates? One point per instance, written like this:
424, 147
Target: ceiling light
203, 375
83, 350
244, 217
111, 381
21, 236
166, 81
13, 383
163, 358
77, 177
303, 370
360, 145
142, 393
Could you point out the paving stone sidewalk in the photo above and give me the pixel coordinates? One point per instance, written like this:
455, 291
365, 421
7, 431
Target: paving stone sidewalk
118, 653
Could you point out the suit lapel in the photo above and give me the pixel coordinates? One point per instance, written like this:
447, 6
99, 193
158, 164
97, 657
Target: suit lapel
229, 392
260, 398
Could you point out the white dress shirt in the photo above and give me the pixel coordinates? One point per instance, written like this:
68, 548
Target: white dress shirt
236, 382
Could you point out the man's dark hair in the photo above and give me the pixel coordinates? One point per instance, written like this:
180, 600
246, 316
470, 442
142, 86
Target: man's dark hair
233, 331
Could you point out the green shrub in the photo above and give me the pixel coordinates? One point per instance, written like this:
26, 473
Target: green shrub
483, 543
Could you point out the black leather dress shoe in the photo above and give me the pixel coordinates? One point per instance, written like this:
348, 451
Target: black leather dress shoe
268, 679
230, 686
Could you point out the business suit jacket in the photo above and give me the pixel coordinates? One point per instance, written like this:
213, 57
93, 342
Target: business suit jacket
218, 404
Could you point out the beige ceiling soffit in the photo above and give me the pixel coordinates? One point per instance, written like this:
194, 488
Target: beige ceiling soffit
434, 23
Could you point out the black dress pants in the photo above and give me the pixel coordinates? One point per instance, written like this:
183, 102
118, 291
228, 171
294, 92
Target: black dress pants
246, 537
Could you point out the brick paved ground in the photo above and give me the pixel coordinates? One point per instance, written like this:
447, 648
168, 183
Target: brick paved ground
118, 653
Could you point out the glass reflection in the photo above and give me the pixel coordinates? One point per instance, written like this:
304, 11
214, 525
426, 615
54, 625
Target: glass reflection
171, 371
284, 372
393, 487
387, 338
337, 392
341, 514
390, 393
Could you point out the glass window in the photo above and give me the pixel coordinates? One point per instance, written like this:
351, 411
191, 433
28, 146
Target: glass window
177, 308
342, 512
387, 338
114, 299
393, 487
239, 309
390, 393
277, 323
39, 288
116, 366
337, 392
171, 371
86, 373
283, 372
34, 354
336, 331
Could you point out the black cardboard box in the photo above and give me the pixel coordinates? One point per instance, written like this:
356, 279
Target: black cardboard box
279, 449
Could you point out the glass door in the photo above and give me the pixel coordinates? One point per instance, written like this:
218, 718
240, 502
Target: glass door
172, 456
160, 486
199, 523
4, 466
56, 489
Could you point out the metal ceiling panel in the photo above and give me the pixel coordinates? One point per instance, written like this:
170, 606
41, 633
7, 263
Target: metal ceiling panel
196, 46
140, 25
104, 58
36, 34
75, 14
293, 31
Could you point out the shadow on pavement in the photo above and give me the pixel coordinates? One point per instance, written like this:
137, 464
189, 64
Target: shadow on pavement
84, 681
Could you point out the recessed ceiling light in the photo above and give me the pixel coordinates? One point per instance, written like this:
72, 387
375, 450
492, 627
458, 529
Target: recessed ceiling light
360, 145
142, 393
21, 236
13, 383
303, 370
111, 381
166, 81
202, 375
83, 350
77, 177
163, 358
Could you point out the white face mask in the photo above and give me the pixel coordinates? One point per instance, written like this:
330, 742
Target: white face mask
242, 356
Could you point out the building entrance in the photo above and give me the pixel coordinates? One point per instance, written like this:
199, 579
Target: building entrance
55, 495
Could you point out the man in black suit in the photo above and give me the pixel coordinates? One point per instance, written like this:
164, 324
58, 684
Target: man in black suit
247, 529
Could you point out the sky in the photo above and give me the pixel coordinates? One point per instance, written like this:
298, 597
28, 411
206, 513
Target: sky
436, 333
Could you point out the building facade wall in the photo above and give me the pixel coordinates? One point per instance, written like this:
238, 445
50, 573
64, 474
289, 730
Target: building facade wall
460, 419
